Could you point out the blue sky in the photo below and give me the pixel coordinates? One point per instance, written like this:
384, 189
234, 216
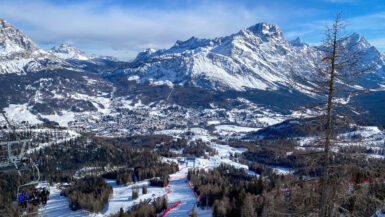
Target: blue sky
123, 28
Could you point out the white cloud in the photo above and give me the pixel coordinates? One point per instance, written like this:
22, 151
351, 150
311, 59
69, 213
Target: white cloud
124, 28
124, 31
127, 30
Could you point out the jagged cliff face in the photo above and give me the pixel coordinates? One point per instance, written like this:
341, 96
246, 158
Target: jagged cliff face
13, 41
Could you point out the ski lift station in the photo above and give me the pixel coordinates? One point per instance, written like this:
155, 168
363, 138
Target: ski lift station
187, 161
190, 162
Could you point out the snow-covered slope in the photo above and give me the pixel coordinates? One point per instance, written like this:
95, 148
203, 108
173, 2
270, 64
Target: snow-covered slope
19, 54
258, 57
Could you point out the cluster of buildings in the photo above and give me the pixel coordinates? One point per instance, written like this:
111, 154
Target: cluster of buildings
143, 119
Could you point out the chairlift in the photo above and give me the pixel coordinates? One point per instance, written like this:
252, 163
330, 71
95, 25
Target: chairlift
20, 162
14, 162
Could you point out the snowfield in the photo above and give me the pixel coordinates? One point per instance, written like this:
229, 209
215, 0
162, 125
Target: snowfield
229, 129
122, 197
282, 170
20, 113
58, 206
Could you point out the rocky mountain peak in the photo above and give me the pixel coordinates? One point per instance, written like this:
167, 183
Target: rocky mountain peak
144, 54
13, 41
67, 51
297, 42
4, 24
359, 41
65, 48
192, 43
20, 55
266, 30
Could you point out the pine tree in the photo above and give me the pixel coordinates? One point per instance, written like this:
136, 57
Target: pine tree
164, 203
135, 192
248, 209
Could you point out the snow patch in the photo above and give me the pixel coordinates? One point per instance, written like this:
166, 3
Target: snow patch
21, 113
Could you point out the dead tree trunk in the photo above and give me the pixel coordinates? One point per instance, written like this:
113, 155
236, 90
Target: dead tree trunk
325, 170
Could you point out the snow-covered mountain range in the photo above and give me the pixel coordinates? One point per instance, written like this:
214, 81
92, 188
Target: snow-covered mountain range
258, 57
20, 55
247, 71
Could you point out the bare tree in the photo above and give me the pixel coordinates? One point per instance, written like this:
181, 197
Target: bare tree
331, 57
338, 70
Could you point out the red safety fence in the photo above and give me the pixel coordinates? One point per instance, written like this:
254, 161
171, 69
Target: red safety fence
174, 205
192, 189
168, 191
196, 197
177, 203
